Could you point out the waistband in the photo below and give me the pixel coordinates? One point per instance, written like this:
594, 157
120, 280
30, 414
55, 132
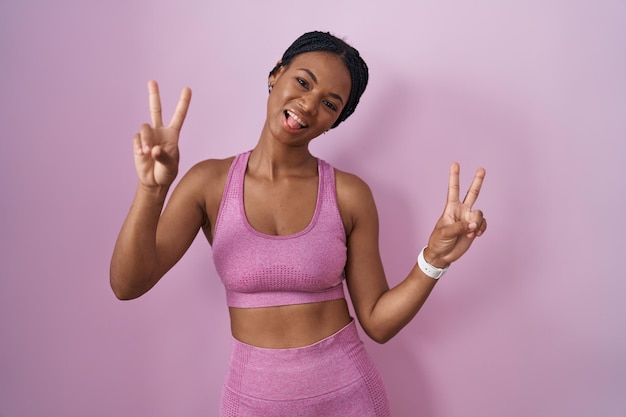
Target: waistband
276, 298
325, 366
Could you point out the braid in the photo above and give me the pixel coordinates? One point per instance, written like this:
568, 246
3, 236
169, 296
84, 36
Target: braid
325, 42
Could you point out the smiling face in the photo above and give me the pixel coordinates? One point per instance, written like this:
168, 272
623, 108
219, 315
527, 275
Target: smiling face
307, 96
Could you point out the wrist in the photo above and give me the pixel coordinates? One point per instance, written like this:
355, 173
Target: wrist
153, 189
434, 259
432, 267
153, 194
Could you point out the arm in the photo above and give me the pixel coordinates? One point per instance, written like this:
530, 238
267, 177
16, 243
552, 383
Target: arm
150, 243
382, 311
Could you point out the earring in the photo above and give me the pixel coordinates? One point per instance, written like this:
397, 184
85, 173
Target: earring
269, 88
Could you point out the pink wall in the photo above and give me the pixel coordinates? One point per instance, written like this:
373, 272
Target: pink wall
530, 323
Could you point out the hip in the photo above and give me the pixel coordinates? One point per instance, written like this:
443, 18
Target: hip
334, 376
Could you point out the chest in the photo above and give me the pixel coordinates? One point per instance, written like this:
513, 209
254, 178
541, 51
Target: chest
280, 207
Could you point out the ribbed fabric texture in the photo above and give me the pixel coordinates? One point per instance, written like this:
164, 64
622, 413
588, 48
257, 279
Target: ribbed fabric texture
260, 270
333, 377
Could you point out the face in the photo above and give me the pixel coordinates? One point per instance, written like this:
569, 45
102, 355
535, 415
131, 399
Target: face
307, 96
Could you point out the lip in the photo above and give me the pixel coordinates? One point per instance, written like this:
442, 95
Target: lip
298, 117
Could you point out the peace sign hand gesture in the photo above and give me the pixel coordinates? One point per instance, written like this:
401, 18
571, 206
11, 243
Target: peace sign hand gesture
459, 224
156, 146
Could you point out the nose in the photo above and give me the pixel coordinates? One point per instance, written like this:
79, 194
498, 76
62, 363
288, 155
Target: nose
309, 104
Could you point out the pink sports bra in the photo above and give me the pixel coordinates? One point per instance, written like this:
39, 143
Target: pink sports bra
261, 270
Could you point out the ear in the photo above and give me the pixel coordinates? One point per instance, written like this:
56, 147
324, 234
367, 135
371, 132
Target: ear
276, 72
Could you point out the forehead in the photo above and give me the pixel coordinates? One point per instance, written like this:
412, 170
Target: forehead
326, 66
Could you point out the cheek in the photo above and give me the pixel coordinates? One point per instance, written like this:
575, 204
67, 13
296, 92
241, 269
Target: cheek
333, 117
274, 102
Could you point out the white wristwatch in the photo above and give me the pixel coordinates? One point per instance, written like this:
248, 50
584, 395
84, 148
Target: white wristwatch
428, 269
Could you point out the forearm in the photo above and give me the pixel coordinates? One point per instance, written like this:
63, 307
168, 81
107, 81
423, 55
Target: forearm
134, 260
397, 306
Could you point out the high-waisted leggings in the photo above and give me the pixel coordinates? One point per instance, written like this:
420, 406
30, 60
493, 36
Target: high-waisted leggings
332, 377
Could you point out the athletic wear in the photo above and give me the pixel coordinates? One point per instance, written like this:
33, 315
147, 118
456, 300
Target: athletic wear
334, 377
260, 270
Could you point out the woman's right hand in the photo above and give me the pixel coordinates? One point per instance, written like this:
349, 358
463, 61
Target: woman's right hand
156, 146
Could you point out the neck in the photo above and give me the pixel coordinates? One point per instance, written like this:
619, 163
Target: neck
271, 160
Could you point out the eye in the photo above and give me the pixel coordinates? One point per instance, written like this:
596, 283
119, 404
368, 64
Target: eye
302, 82
330, 105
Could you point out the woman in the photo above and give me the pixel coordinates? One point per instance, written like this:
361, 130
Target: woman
286, 229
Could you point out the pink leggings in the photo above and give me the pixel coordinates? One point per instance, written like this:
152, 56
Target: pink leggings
333, 377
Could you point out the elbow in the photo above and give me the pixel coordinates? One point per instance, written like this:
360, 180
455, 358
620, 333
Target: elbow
128, 284
381, 340
122, 292
123, 296
379, 336
380, 330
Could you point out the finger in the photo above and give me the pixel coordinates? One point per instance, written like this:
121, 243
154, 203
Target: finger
474, 216
477, 227
181, 109
158, 154
137, 149
142, 164
482, 228
154, 101
474, 190
474, 219
145, 138
455, 229
453, 183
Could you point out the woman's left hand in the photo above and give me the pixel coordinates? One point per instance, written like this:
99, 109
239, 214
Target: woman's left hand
459, 224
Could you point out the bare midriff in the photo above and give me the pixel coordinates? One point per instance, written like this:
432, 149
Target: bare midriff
289, 326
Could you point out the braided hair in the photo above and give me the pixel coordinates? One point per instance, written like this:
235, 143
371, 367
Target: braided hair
325, 42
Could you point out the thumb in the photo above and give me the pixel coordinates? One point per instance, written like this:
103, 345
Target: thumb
455, 229
159, 155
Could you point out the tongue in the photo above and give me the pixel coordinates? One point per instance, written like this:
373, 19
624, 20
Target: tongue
293, 123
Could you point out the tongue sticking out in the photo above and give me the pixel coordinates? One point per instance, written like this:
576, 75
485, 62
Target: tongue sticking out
293, 123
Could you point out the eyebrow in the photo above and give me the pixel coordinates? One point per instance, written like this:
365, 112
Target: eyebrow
314, 78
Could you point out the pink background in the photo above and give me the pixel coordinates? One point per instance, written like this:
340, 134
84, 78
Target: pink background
530, 323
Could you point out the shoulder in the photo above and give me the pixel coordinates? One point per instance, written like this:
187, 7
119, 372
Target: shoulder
350, 186
211, 168
203, 186
207, 173
205, 180
354, 198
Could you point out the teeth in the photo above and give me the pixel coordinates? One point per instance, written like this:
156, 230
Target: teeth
296, 118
